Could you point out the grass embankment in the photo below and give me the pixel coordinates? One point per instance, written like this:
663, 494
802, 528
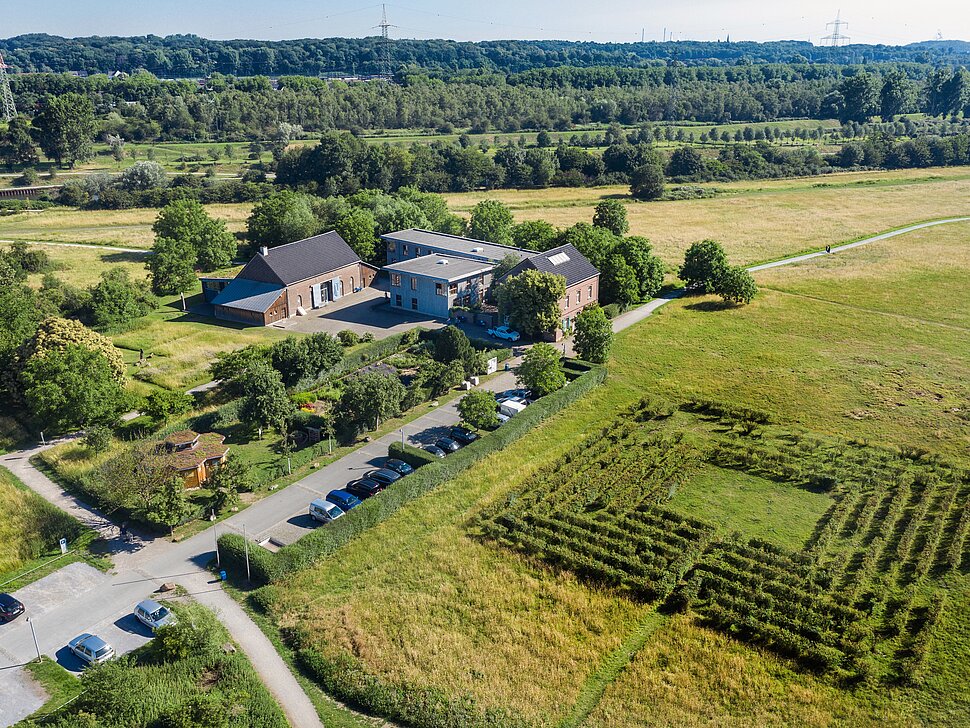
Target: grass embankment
471, 619
759, 220
191, 679
30, 529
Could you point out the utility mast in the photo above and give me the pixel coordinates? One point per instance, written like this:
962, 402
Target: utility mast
837, 38
385, 43
6, 95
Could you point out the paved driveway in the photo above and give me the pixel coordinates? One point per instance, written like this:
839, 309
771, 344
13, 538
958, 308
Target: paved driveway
367, 312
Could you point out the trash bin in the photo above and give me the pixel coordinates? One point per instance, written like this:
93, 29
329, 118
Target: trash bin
222, 575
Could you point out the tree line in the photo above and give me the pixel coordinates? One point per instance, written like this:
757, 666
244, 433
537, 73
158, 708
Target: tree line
178, 56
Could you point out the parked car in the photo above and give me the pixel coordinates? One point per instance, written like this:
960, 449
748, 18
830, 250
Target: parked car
447, 444
364, 488
519, 395
153, 615
502, 418
384, 476
435, 450
324, 511
462, 435
398, 466
344, 499
10, 608
91, 649
504, 332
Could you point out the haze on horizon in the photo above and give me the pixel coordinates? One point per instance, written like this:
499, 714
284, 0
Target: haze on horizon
891, 22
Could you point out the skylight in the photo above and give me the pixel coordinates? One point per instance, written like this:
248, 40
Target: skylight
558, 258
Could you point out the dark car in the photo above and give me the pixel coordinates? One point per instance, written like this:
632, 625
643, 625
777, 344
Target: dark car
435, 450
384, 476
10, 608
344, 499
399, 466
462, 435
364, 488
447, 444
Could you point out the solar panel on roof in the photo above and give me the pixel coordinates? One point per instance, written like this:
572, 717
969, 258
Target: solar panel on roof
558, 258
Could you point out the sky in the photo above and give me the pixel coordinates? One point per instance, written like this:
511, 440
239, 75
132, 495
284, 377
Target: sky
869, 21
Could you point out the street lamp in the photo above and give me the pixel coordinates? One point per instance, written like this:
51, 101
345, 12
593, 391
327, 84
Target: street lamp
34, 635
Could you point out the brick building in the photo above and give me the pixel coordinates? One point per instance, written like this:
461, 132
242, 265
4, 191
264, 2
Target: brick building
290, 280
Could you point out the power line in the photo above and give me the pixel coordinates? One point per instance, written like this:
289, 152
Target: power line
6, 95
385, 43
836, 38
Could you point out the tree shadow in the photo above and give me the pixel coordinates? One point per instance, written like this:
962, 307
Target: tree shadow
119, 257
711, 306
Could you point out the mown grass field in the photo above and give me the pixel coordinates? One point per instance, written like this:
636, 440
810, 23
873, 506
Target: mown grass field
758, 220
470, 618
119, 228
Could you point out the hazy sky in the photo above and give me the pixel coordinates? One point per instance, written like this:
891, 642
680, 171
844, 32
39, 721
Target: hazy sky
870, 21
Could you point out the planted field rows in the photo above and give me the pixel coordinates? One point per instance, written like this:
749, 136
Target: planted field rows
858, 602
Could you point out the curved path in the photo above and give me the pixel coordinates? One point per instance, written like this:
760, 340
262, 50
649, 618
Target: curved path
629, 318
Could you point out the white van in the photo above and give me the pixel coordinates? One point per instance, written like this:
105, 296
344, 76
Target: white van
324, 511
511, 407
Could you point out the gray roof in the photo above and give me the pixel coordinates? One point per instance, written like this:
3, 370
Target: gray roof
293, 262
444, 267
248, 295
565, 261
456, 244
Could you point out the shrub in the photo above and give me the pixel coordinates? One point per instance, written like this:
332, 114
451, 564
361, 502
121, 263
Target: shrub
348, 338
413, 456
98, 439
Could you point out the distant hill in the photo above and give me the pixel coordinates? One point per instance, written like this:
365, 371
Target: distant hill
181, 56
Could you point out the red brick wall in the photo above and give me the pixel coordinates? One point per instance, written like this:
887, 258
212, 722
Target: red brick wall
351, 277
578, 296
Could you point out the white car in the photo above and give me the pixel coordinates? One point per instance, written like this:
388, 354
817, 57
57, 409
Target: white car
504, 332
91, 649
153, 615
324, 511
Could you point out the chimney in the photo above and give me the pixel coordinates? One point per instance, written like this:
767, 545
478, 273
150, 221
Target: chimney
264, 251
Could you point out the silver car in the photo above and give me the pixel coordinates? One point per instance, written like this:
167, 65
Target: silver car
91, 649
153, 615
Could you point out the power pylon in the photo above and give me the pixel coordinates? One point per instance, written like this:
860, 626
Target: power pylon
385, 43
6, 95
837, 38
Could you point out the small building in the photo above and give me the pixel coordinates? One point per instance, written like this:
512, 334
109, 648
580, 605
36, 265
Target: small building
195, 456
289, 280
433, 284
582, 280
414, 243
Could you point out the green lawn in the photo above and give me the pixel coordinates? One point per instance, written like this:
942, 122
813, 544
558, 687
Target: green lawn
753, 506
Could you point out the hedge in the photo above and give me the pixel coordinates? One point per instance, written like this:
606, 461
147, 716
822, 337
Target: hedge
267, 567
413, 456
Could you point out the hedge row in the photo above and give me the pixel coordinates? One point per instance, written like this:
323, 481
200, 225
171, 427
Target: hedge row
267, 567
413, 456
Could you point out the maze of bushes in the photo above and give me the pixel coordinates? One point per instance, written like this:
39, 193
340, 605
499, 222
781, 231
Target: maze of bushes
858, 602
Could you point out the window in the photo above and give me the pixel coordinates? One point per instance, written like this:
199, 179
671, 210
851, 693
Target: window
439, 288
590, 296
414, 283
397, 300
391, 246
579, 295
567, 300
352, 284
453, 288
395, 279
417, 252
299, 301
414, 304
404, 249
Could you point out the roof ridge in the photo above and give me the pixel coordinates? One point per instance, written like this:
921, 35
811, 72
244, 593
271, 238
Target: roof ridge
456, 237
294, 242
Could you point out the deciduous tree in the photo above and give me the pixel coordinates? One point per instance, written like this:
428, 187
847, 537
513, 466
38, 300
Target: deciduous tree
611, 214
477, 408
737, 285
541, 370
491, 221
65, 128
704, 265
531, 301
171, 266
594, 334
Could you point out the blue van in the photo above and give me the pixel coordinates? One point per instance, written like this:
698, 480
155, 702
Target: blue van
342, 498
